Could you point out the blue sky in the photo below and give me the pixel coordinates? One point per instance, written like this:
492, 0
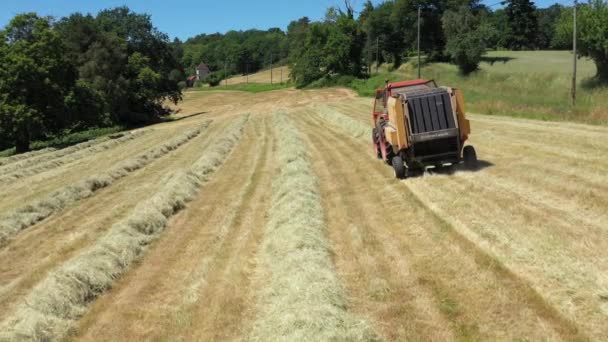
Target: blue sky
186, 18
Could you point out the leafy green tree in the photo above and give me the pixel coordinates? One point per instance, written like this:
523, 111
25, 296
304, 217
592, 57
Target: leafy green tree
308, 63
344, 46
592, 23
522, 24
465, 40
124, 63
381, 35
496, 25
36, 77
243, 51
547, 20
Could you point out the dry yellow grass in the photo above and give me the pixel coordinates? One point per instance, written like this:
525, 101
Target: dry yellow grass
544, 231
24, 156
193, 284
52, 307
278, 74
301, 298
48, 161
28, 215
514, 251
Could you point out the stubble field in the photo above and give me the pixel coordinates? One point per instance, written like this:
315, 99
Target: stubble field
267, 217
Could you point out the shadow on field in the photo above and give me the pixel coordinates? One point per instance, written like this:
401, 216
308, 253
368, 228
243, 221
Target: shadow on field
171, 119
452, 169
593, 83
492, 60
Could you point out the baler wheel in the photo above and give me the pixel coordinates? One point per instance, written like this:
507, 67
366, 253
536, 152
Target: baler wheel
399, 167
470, 157
376, 140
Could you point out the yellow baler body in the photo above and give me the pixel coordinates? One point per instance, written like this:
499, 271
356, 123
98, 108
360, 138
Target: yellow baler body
463, 123
396, 131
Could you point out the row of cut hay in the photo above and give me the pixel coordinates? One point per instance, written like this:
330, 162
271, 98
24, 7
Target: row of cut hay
24, 217
354, 127
51, 310
54, 154
21, 171
301, 298
25, 156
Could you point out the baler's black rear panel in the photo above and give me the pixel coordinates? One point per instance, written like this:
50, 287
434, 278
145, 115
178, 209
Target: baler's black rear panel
430, 111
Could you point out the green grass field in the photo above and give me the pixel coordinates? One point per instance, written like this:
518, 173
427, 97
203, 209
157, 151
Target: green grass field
531, 84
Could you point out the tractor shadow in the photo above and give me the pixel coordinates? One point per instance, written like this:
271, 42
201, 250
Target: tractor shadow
450, 170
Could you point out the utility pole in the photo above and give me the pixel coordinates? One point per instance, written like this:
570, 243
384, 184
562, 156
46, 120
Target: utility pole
281, 69
226, 71
271, 68
418, 41
574, 57
247, 72
377, 53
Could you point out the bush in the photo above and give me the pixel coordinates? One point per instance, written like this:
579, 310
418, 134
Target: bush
214, 78
465, 44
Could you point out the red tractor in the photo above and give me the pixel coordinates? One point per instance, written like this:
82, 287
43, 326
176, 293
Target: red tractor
417, 124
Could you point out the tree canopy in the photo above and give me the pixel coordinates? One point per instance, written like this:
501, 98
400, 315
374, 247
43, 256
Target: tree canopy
82, 71
592, 23
115, 67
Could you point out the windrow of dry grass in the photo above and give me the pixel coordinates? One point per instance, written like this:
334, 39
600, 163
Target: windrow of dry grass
354, 127
50, 311
28, 215
53, 154
53, 160
301, 298
25, 156
536, 213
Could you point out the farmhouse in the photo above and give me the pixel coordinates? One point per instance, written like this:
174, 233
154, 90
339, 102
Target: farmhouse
202, 70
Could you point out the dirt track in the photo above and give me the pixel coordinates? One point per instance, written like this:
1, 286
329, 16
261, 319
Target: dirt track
515, 250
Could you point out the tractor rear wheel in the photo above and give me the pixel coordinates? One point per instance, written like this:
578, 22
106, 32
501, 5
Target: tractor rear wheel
399, 167
470, 157
376, 140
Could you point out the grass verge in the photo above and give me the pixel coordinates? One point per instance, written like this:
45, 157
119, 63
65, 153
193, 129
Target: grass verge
301, 298
50, 311
24, 217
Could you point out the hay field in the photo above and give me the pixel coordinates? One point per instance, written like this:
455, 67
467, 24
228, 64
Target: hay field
278, 73
267, 217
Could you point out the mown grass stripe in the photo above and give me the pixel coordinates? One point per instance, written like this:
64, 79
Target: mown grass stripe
21, 170
25, 156
51, 310
301, 298
22, 218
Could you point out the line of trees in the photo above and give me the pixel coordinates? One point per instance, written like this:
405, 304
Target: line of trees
236, 52
452, 30
458, 31
86, 71
82, 71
